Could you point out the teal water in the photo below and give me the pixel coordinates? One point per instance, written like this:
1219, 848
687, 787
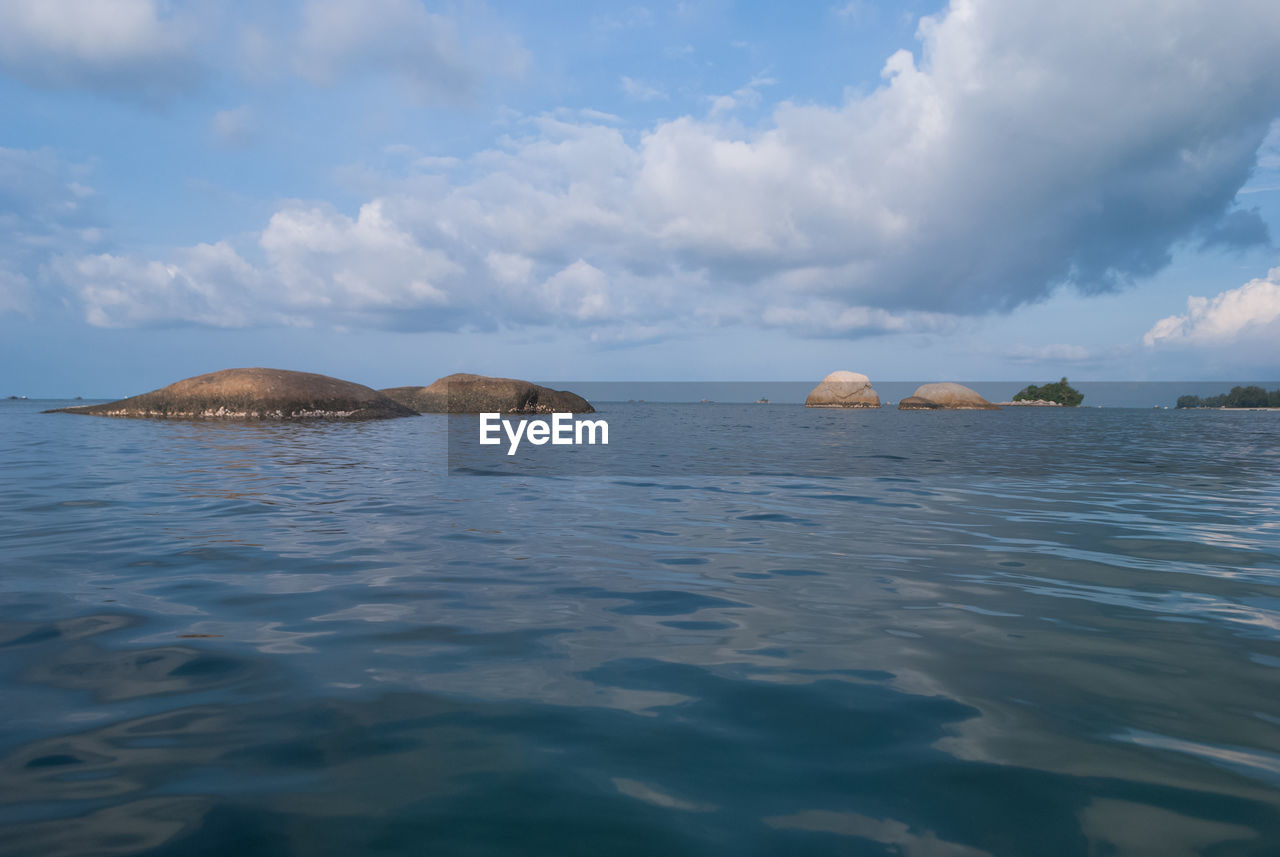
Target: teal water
1006, 633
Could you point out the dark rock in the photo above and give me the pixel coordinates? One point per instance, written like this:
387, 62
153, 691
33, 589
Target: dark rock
253, 394
915, 403
473, 394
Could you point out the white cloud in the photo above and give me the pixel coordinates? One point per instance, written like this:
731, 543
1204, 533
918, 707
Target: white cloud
427, 51
1248, 312
744, 96
579, 291
325, 260
638, 90
600, 116
510, 267
129, 48
206, 284
1024, 148
317, 263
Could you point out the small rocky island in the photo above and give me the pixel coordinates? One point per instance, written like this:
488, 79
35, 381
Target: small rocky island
253, 394
843, 389
1059, 394
473, 394
945, 396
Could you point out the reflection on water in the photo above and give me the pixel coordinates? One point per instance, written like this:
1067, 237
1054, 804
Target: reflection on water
311, 640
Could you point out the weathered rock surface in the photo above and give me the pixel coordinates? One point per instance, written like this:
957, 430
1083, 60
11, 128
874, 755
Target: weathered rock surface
473, 394
843, 390
948, 396
254, 394
1031, 403
915, 403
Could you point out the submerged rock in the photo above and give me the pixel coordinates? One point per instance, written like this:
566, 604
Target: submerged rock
948, 396
843, 390
254, 394
473, 394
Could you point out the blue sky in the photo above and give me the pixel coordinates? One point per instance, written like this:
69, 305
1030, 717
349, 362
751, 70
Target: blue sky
392, 190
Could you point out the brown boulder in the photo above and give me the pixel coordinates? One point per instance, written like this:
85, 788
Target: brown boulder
254, 394
915, 403
949, 396
473, 394
843, 390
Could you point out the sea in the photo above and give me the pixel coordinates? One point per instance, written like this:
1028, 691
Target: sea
736, 629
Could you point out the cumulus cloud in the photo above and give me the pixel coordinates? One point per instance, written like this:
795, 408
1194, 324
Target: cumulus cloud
314, 263
207, 285
1019, 149
1251, 311
580, 291
325, 260
425, 50
128, 48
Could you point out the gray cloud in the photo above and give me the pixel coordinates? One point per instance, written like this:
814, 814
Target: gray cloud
1237, 229
151, 52
129, 49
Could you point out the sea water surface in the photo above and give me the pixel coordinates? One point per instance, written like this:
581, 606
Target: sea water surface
747, 630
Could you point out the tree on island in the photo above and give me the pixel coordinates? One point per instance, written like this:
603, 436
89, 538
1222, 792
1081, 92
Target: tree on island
1060, 392
1238, 397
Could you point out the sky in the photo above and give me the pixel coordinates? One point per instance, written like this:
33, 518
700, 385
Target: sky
393, 190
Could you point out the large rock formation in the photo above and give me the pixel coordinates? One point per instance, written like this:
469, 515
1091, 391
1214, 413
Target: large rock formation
945, 395
474, 394
843, 390
254, 394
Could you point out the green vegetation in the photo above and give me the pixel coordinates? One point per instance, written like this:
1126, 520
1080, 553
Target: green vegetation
1060, 392
1239, 397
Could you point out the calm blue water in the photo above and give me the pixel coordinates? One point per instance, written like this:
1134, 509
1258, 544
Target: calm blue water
1006, 633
